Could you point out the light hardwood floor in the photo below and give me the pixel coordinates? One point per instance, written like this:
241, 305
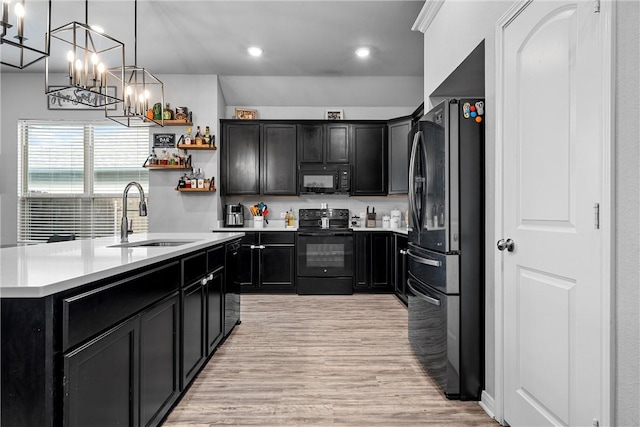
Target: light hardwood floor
319, 360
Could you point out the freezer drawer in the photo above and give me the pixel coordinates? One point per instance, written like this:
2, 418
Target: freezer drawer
434, 334
435, 269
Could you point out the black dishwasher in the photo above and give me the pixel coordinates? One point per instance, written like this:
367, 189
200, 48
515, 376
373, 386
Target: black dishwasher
232, 287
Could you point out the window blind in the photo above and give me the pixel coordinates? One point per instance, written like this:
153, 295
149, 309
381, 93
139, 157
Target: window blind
71, 176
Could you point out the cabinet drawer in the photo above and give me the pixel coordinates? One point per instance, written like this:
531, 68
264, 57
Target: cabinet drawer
269, 238
89, 313
215, 258
193, 268
249, 239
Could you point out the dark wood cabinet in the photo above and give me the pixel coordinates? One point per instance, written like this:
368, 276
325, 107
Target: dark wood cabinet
323, 143
279, 161
337, 143
369, 159
269, 260
101, 387
373, 261
399, 146
399, 273
127, 375
193, 317
159, 360
259, 158
240, 168
202, 309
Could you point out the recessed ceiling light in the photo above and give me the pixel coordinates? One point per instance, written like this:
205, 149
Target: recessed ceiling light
363, 52
254, 51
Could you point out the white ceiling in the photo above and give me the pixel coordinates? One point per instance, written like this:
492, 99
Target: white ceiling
299, 38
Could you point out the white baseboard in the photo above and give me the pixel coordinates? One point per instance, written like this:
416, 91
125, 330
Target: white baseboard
488, 404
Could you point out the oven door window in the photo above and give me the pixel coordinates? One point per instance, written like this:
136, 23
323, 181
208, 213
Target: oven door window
325, 256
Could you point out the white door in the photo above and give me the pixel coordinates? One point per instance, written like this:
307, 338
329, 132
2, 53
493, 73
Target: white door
552, 145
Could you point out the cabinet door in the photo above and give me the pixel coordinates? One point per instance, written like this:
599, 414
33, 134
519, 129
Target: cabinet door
398, 132
279, 159
310, 143
159, 360
215, 314
241, 147
380, 261
369, 160
361, 249
101, 380
337, 143
277, 268
193, 317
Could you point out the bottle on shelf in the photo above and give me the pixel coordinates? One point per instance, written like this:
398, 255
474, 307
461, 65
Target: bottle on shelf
193, 179
207, 136
199, 139
187, 181
167, 113
154, 157
200, 178
187, 137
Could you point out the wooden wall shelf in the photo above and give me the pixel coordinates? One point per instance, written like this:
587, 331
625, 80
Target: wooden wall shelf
195, 147
196, 190
172, 167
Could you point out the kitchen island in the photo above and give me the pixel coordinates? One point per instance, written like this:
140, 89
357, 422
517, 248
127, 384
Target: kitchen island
99, 333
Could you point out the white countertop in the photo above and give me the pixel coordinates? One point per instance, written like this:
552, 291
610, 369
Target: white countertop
39, 270
281, 227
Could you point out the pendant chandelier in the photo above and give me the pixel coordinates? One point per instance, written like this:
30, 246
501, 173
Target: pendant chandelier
22, 43
143, 92
86, 52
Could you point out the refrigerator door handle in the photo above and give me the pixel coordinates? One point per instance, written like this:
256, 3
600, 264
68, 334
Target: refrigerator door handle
426, 298
412, 194
425, 261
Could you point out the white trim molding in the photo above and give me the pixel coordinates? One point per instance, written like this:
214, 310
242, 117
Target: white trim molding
488, 404
427, 15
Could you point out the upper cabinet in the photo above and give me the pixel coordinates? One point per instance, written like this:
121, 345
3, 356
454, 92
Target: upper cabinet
398, 131
258, 158
323, 143
369, 159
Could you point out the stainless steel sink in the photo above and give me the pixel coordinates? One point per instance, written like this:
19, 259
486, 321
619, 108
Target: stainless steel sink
153, 243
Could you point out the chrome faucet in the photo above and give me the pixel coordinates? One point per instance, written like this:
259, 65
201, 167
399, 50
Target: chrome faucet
142, 209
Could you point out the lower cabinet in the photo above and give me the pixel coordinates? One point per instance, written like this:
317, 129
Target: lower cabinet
271, 257
127, 375
373, 261
202, 310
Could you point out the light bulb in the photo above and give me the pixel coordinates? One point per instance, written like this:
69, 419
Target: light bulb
128, 90
101, 68
363, 52
19, 9
94, 58
79, 65
146, 94
70, 56
254, 51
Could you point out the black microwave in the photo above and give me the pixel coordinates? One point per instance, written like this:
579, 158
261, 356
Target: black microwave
325, 179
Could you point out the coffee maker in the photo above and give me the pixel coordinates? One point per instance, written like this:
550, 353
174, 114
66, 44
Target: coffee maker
234, 215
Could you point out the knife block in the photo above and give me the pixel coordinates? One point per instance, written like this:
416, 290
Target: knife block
371, 220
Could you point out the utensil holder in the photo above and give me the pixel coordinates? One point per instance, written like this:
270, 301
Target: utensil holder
371, 220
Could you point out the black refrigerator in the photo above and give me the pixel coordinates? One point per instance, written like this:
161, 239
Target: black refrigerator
445, 253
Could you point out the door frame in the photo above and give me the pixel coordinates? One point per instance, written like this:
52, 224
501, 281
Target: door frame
607, 12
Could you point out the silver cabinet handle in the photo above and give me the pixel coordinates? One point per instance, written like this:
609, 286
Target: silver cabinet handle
210, 277
252, 247
426, 298
425, 261
204, 281
403, 252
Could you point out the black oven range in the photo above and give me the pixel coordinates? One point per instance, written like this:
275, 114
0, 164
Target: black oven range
325, 252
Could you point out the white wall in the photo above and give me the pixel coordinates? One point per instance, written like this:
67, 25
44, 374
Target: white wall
170, 210
444, 50
626, 215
